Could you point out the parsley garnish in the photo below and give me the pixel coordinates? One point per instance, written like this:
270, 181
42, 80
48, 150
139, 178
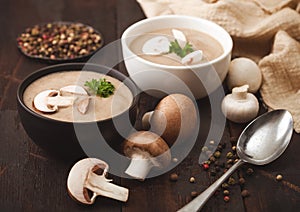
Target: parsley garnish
101, 87
175, 47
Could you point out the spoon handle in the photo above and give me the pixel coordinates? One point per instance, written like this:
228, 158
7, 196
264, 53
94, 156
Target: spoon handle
197, 203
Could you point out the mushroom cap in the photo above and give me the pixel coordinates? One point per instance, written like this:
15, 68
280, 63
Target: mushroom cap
40, 101
150, 144
176, 115
78, 176
244, 71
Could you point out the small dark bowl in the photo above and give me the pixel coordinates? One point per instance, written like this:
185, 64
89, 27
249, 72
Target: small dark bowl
74, 140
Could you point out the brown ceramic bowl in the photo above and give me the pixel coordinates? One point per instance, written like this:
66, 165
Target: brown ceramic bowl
76, 139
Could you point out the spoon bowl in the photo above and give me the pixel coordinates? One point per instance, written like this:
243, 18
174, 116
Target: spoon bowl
265, 138
260, 143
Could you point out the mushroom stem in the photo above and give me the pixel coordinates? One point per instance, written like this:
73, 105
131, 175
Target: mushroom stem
102, 186
139, 167
146, 120
240, 93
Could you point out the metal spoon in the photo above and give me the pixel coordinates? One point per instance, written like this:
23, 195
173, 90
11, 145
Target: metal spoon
261, 142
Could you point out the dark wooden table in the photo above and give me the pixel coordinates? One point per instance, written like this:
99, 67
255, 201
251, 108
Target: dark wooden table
30, 180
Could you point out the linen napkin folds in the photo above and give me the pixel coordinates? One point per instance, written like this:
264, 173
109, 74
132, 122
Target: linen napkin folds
267, 31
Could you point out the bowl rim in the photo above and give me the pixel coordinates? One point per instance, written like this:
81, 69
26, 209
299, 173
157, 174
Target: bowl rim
191, 18
75, 67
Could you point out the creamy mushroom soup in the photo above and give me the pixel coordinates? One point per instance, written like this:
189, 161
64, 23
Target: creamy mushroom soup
210, 47
99, 108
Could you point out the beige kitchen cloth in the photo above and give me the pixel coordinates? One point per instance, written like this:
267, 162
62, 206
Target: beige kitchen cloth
281, 76
251, 23
267, 31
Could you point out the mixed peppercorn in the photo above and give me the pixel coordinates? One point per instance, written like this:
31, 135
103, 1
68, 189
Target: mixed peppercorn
59, 41
219, 161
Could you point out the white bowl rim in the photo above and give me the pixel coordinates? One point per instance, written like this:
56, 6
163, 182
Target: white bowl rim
147, 20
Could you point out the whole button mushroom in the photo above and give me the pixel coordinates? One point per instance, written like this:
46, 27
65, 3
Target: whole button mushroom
49, 101
146, 150
83, 177
175, 116
240, 106
244, 71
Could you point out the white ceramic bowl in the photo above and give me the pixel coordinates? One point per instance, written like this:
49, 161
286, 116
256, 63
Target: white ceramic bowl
199, 80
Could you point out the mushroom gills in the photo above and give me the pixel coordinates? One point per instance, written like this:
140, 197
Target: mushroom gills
156, 46
146, 150
40, 101
84, 184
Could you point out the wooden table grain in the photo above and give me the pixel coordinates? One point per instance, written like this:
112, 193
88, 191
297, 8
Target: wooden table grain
30, 180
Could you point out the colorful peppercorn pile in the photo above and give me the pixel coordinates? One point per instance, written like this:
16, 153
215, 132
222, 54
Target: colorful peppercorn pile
59, 41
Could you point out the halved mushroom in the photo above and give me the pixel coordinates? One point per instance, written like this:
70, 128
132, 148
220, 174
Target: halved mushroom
180, 37
156, 46
40, 101
175, 116
192, 58
146, 150
83, 178
73, 89
49, 100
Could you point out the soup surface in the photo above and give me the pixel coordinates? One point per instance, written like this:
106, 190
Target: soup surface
200, 41
99, 108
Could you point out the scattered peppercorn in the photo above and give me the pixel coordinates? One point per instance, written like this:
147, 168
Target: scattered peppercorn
205, 166
217, 154
207, 162
233, 148
245, 193
231, 181
212, 159
279, 177
174, 177
226, 198
194, 194
226, 192
229, 155
242, 181
249, 171
225, 185
230, 161
192, 180
204, 149
59, 41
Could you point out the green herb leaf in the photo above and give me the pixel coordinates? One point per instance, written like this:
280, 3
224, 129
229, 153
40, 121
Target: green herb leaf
175, 48
101, 87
